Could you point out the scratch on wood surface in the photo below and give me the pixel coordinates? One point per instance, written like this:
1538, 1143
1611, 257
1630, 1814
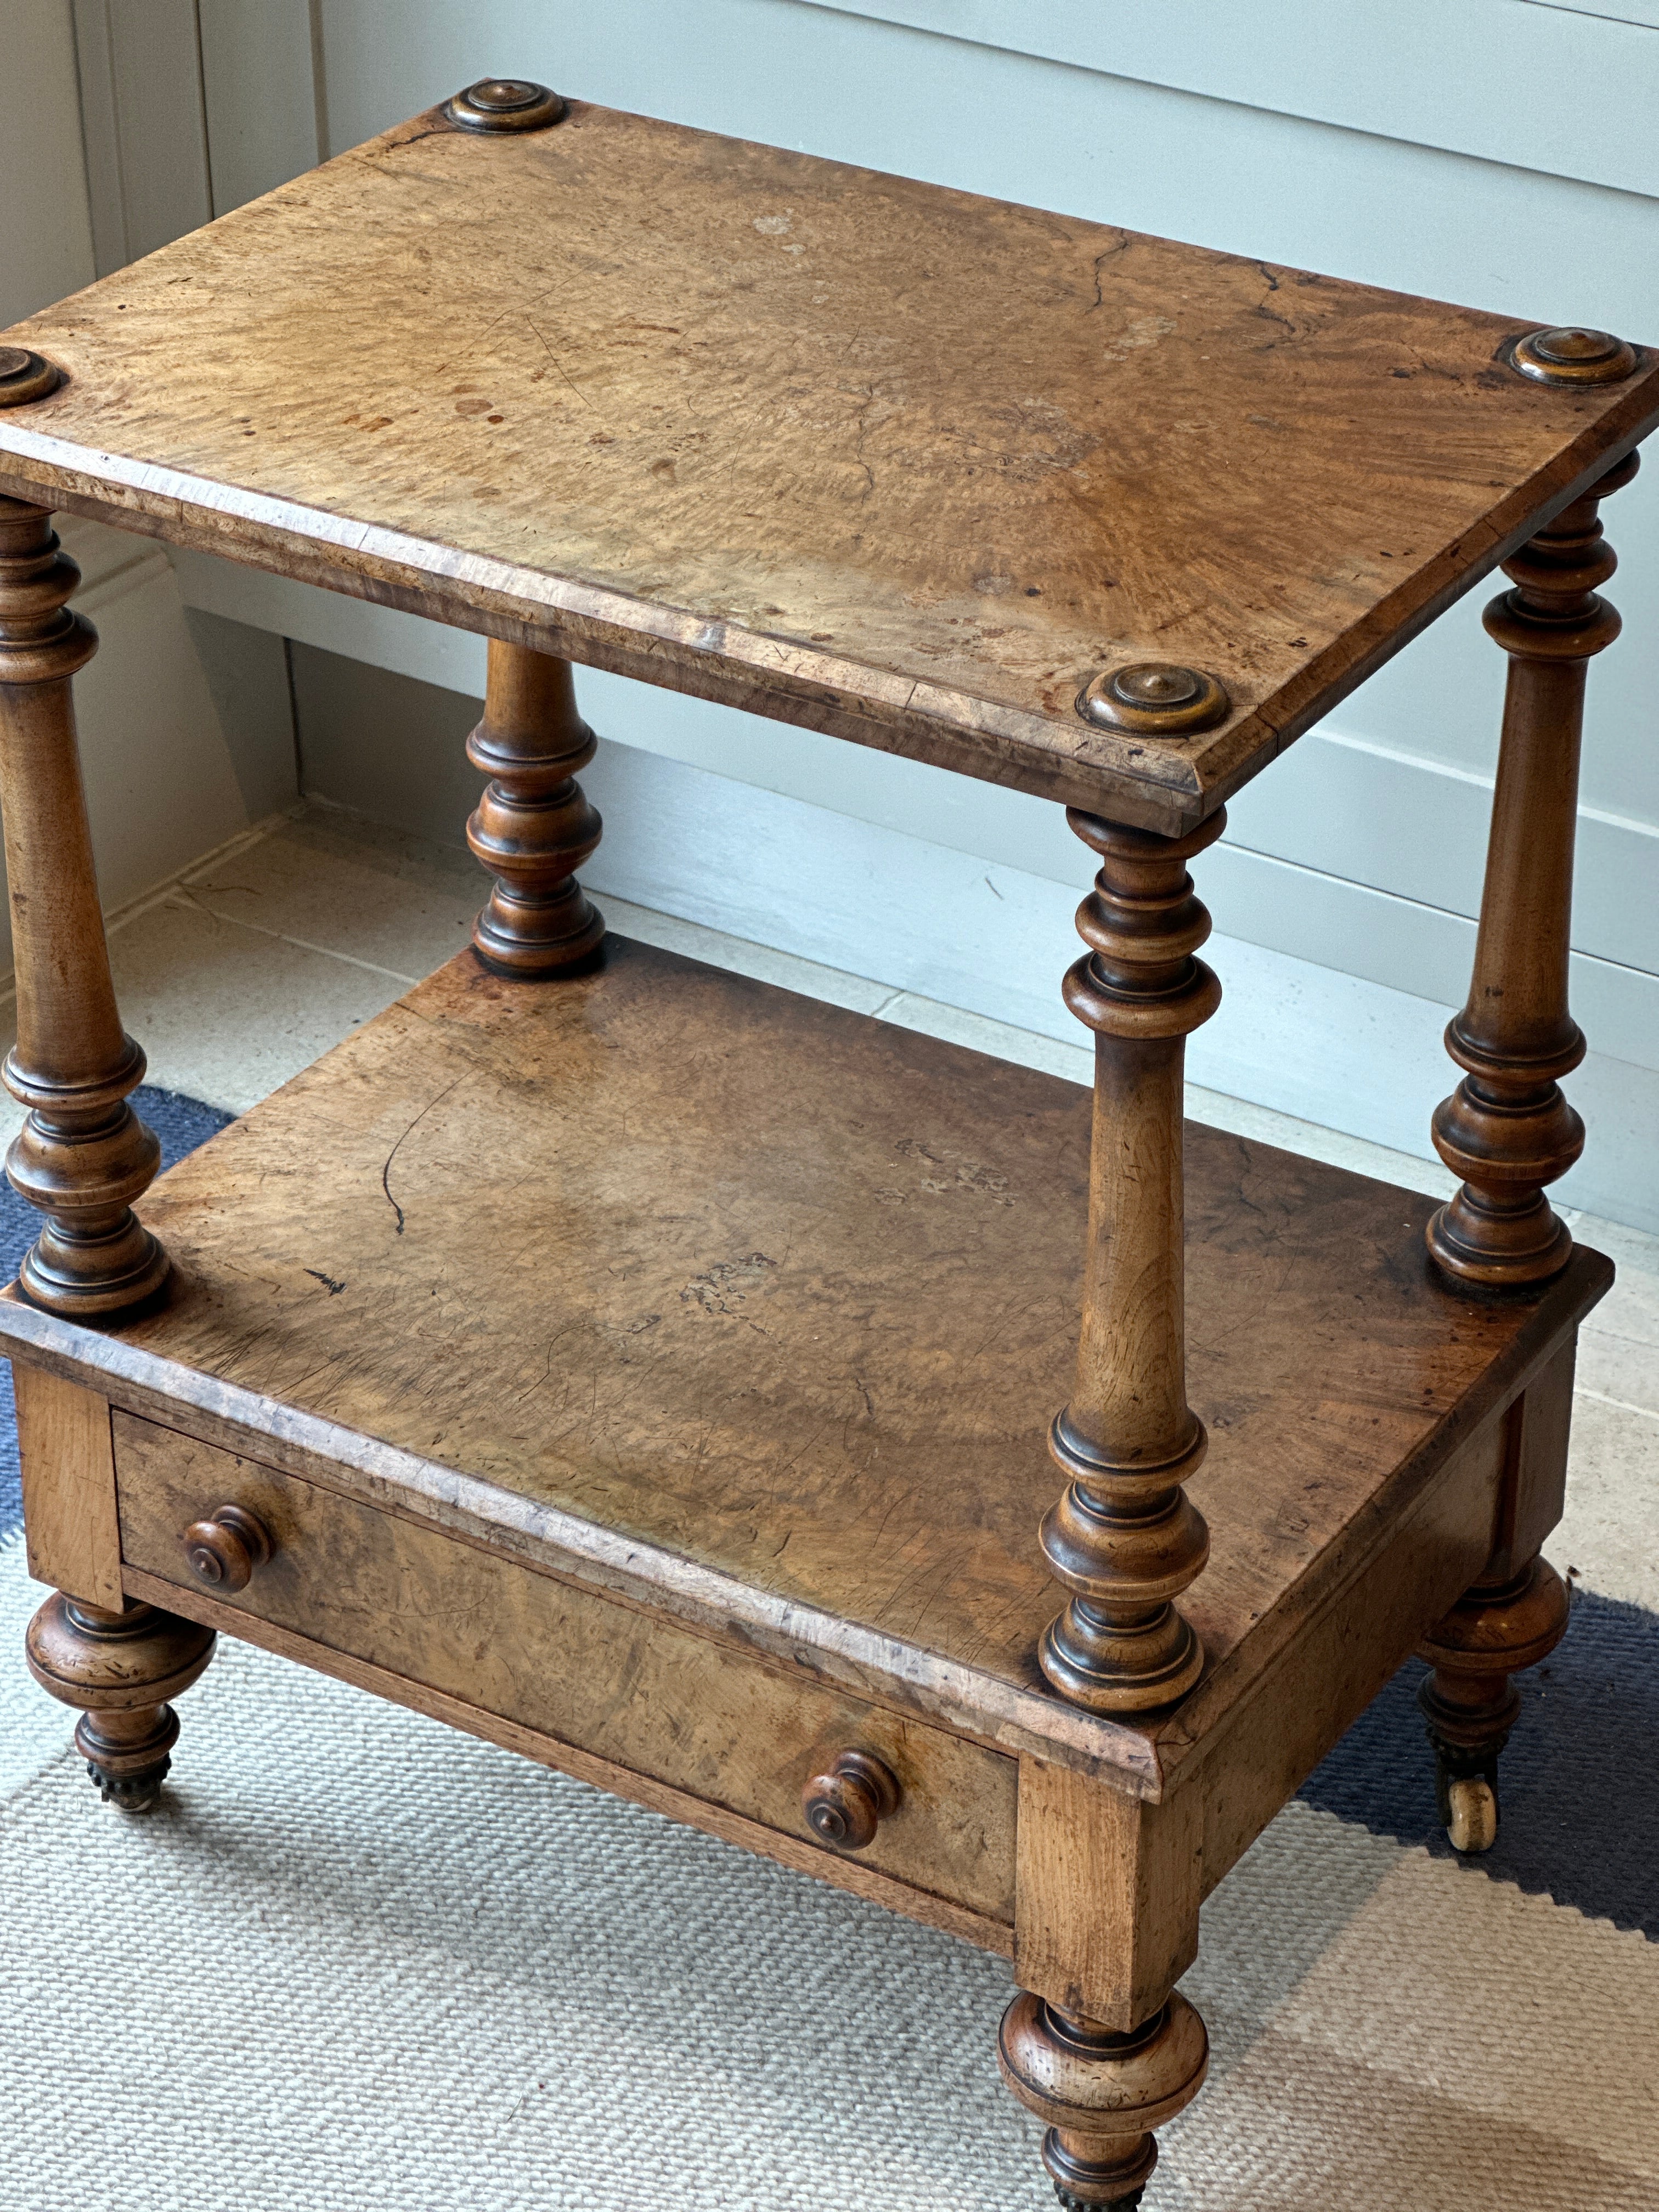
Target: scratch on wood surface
561, 369
385, 1172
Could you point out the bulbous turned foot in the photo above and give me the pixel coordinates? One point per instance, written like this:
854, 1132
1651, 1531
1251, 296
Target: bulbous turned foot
120, 1669
1101, 2093
1469, 1702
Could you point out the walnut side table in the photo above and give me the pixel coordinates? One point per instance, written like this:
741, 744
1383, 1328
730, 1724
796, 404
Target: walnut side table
649, 1370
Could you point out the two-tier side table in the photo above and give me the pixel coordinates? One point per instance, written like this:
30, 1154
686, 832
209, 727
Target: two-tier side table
677, 1381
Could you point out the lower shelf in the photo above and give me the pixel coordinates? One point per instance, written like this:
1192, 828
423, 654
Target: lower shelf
741, 1319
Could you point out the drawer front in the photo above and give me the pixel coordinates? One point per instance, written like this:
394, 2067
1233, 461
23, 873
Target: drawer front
640, 1692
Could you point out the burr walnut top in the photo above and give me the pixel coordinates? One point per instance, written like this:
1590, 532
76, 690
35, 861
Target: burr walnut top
855, 452
757, 1310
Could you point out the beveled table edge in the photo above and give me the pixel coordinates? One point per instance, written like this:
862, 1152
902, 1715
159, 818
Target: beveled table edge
604, 628
1165, 787
1148, 1760
861, 1659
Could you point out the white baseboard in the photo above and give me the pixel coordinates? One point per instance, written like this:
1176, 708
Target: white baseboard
1337, 1049
1338, 989
172, 764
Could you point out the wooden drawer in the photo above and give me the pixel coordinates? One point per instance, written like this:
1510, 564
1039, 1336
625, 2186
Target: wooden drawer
643, 1693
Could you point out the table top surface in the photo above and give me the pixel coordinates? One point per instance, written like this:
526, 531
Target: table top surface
863, 453
759, 1309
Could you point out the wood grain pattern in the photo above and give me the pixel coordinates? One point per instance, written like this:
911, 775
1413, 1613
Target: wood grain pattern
1534, 1492
1109, 1894
802, 1855
1259, 1725
739, 421
562, 1663
68, 1487
761, 1318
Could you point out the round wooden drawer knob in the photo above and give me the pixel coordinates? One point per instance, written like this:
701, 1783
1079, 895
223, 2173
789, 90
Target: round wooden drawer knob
224, 1552
846, 1806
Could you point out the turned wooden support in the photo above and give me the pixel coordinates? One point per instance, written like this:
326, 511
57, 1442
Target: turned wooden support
1512, 1617
533, 827
120, 1669
1507, 1131
1469, 1702
82, 1156
1101, 2093
1125, 1540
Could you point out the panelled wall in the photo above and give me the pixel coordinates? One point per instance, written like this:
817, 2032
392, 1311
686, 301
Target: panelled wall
1500, 153
185, 732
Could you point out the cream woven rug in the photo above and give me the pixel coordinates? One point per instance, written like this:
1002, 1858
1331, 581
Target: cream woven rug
356, 1960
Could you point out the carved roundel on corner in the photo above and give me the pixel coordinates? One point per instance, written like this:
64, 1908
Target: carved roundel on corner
1154, 699
1573, 356
505, 103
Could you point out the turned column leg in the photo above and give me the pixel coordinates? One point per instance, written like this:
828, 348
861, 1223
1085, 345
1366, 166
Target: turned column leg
120, 1669
533, 827
1101, 2093
1125, 1540
1469, 1702
1507, 1130
83, 1155
1511, 1618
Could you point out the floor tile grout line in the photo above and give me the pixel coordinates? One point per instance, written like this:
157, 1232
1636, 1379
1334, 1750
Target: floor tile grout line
119, 918
281, 937
1623, 1405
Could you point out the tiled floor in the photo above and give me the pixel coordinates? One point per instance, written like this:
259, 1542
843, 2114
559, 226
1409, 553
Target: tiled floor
274, 950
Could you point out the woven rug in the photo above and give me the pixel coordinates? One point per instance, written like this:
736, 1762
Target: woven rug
355, 1960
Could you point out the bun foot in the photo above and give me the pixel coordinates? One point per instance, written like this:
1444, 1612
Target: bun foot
120, 1669
1101, 2093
